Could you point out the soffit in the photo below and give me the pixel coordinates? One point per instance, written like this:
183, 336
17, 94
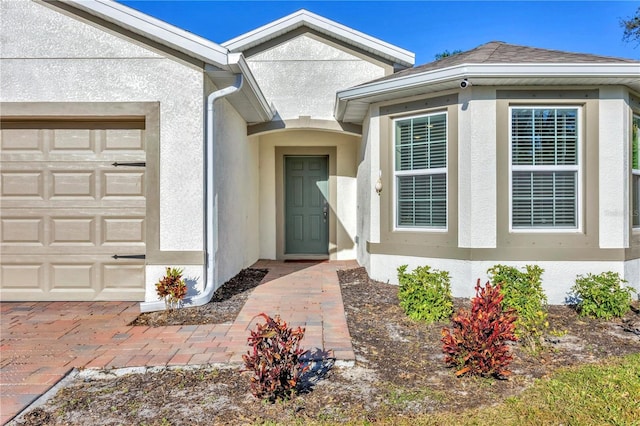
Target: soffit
353, 104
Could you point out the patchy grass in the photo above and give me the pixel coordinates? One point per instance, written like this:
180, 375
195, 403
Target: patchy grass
604, 393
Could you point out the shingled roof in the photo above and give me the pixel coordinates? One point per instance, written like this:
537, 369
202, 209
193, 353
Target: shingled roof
498, 52
491, 64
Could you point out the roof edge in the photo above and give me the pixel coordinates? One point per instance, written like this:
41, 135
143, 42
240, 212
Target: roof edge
151, 28
493, 70
326, 26
470, 71
239, 65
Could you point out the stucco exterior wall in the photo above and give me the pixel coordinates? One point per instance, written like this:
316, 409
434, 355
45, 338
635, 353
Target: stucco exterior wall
557, 279
368, 200
344, 182
485, 238
614, 128
477, 193
236, 194
301, 75
50, 57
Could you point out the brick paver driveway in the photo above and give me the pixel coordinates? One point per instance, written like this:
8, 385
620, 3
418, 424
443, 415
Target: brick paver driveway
41, 342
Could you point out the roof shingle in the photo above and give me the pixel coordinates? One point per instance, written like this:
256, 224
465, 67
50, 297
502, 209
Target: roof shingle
498, 52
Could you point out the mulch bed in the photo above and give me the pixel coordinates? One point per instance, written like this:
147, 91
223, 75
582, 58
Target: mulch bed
399, 371
223, 307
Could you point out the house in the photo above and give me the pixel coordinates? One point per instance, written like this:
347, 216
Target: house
129, 145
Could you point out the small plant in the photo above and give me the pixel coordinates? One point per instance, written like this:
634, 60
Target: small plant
274, 359
478, 343
602, 296
523, 292
425, 294
172, 288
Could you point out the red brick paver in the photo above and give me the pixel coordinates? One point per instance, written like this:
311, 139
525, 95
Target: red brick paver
42, 341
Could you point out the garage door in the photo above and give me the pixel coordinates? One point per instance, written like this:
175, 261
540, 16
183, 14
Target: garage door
72, 210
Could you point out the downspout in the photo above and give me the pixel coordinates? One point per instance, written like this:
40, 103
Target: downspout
209, 237
209, 283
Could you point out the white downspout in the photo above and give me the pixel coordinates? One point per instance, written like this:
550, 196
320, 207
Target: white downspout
209, 282
209, 235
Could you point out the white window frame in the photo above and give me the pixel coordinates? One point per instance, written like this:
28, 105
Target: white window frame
635, 209
548, 168
420, 172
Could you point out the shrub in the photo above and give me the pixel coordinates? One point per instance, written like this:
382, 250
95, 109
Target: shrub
274, 359
172, 288
602, 295
477, 345
523, 292
425, 294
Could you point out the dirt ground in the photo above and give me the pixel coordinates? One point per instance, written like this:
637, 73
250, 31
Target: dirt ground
224, 306
399, 371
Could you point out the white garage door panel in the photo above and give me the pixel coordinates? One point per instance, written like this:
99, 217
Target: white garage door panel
66, 210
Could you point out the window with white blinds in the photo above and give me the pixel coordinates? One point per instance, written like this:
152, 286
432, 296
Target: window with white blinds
635, 172
421, 171
544, 167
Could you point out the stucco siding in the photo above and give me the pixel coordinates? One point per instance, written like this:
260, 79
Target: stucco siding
132, 74
485, 236
614, 177
557, 279
236, 194
36, 30
367, 200
301, 76
477, 168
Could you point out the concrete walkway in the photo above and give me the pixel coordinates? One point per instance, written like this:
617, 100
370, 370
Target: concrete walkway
41, 342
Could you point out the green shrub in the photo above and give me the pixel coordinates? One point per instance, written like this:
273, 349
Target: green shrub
523, 292
477, 343
602, 295
425, 294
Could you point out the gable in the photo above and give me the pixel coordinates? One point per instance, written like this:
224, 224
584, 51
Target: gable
304, 20
301, 75
305, 47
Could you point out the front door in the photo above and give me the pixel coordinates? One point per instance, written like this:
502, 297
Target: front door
306, 205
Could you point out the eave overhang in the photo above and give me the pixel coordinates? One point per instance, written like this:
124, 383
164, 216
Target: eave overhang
249, 101
352, 104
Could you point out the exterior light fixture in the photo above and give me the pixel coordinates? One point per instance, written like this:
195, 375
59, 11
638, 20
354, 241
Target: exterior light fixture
379, 183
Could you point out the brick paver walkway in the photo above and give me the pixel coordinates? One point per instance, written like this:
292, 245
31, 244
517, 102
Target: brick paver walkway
41, 342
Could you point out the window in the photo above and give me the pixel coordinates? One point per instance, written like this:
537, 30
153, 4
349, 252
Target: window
421, 171
635, 171
544, 168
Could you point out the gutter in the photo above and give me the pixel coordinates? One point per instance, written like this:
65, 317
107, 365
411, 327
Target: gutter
210, 226
397, 87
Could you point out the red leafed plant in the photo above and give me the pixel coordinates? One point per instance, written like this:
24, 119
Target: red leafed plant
172, 288
477, 345
274, 359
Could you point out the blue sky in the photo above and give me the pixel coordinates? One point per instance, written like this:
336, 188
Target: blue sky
424, 27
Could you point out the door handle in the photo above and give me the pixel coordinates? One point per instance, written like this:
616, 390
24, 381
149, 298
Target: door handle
325, 210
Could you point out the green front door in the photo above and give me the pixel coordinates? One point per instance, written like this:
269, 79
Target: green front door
306, 205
